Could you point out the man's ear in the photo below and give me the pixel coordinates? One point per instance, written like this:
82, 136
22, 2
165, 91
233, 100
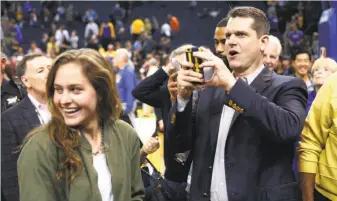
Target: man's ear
24, 80
264, 40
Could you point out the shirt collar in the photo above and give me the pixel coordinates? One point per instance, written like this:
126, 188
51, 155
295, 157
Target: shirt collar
251, 77
36, 103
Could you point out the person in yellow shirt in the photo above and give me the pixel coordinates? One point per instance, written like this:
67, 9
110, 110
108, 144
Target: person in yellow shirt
137, 28
52, 47
318, 148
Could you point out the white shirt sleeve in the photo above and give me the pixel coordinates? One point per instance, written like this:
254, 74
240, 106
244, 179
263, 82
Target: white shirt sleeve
181, 104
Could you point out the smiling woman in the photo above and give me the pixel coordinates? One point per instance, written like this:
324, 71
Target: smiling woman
84, 152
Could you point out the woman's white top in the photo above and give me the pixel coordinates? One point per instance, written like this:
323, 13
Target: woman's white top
104, 177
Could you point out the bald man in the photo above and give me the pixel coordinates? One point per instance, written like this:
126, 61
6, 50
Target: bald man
272, 53
126, 82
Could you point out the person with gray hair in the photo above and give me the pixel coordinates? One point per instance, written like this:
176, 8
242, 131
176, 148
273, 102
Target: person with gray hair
126, 82
272, 53
23, 117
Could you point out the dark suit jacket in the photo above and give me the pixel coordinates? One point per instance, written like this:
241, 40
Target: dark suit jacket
153, 91
269, 117
16, 123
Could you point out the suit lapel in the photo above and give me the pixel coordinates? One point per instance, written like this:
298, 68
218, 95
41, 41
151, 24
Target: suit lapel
259, 84
29, 112
218, 98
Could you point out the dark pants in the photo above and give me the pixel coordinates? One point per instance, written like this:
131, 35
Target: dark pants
319, 197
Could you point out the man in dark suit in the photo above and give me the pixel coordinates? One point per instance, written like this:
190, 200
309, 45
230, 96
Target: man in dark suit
247, 121
20, 119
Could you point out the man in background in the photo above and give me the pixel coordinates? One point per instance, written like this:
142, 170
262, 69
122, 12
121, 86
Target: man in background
22, 118
272, 53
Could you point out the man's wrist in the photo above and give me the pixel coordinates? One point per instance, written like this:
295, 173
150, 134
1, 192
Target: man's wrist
230, 84
182, 98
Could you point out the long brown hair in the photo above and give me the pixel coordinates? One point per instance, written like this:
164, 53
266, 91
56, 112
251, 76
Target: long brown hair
101, 76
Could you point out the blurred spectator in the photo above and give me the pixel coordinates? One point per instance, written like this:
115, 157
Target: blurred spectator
91, 29
74, 40
300, 20
118, 13
45, 17
109, 53
94, 44
44, 42
70, 13
128, 45
137, 45
19, 53
53, 30
271, 10
90, 13
18, 32
295, 39
174, 23
315, 45
61, 35
59, 11
149, 44
14, 45
6, 26
107, 33
121, 34
34, 49
166, 30
52, 47
27, 7
192, 5
148, 26
137, 28
274, 22
285, 67
33, 18
155, 25
19, 15
165, 45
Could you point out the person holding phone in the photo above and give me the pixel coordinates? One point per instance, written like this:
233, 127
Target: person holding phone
246, 123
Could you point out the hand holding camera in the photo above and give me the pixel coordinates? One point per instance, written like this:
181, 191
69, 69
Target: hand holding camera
202, 69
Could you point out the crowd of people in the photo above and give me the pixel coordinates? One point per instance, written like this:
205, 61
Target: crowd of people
258, 124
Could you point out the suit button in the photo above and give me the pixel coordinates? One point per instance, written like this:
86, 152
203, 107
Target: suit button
205, 194
229, 165
233, 194
210, 167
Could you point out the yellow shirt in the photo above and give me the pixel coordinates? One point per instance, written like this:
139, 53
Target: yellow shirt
137, 26
318, 147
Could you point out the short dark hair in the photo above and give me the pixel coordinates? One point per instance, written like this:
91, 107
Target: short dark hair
260, 24
22, 65
301, 51
223, 22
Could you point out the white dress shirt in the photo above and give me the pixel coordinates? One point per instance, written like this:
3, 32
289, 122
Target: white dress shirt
41, 110
218, 184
